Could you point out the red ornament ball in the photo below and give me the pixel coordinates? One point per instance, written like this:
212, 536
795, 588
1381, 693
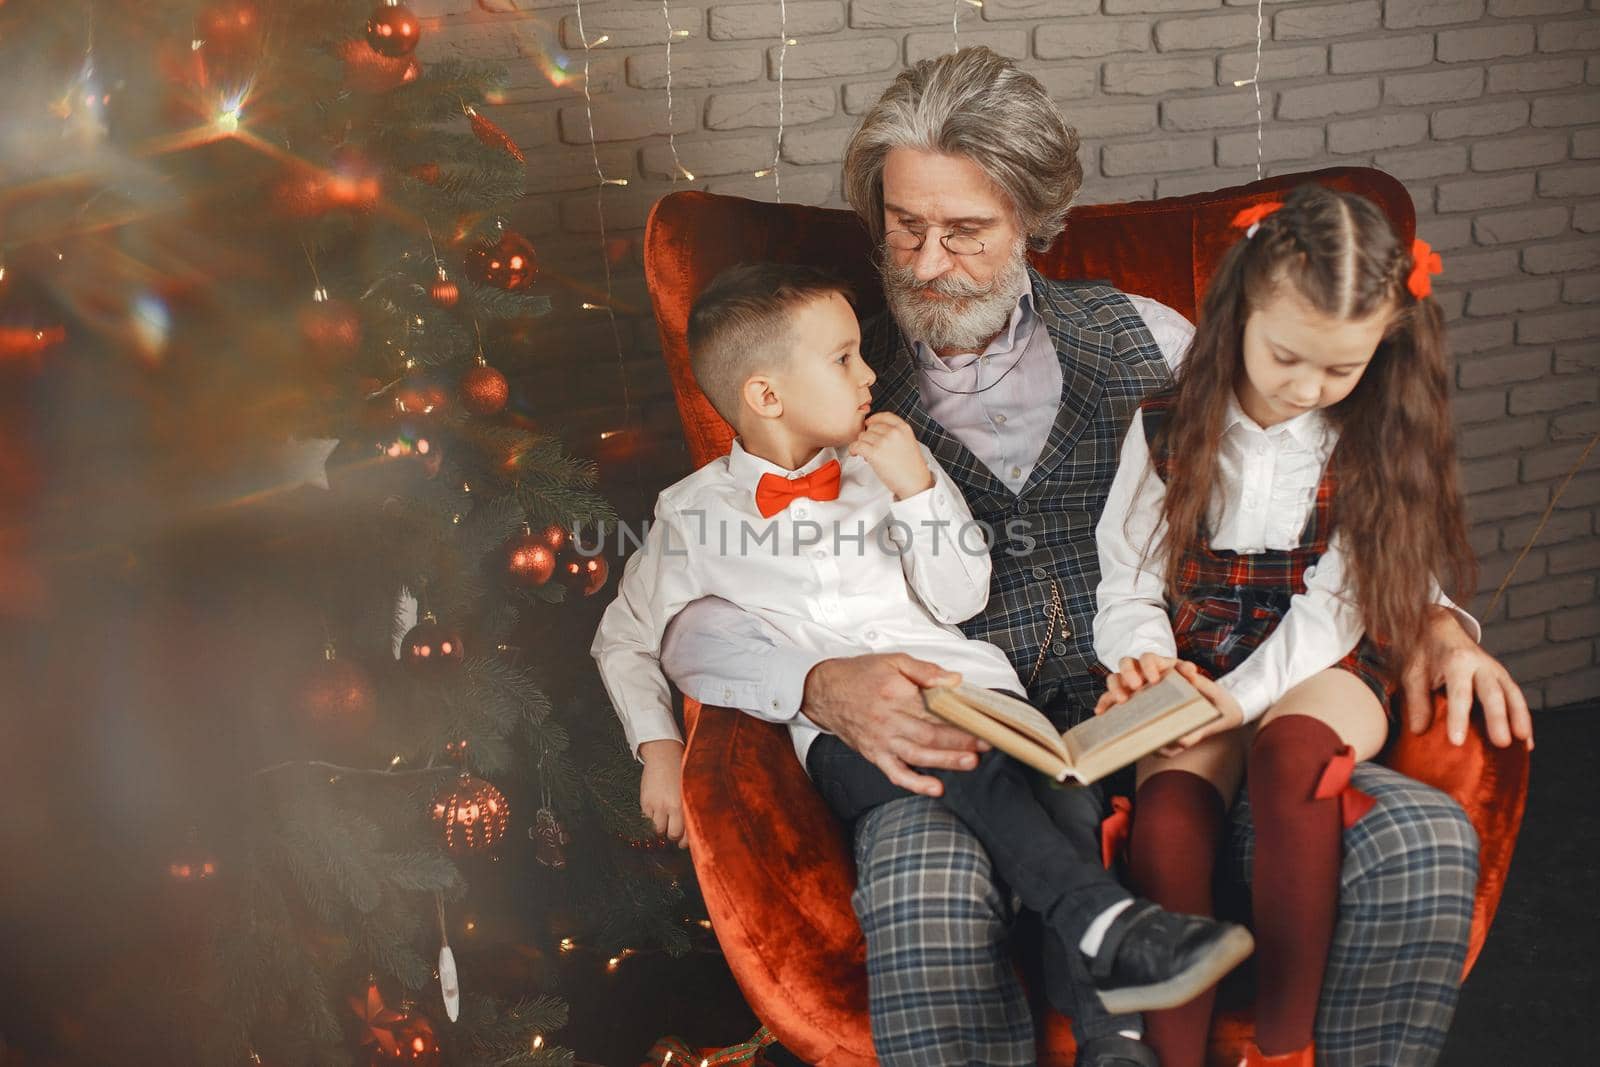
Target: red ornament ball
471, 813
353, 182
530, 561
429, 648
484, 390
582, 574
445, 292
508, 263
393, 31
366, 71
421, 398
332, 328
337, 701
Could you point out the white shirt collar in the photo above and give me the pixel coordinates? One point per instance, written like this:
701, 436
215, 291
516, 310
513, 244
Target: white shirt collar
1308, 430
747, 468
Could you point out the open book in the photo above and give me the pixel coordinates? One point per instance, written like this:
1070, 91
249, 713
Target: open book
1155, 716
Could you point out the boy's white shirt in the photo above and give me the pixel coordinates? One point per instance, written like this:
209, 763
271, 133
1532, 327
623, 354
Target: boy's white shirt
830, 597
1266, 488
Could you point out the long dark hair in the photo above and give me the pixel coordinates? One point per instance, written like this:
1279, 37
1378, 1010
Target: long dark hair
1399, 504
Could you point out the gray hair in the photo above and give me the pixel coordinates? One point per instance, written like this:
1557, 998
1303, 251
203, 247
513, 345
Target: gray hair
978, 105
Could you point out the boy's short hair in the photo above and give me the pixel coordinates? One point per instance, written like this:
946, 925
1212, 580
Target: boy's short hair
740, 322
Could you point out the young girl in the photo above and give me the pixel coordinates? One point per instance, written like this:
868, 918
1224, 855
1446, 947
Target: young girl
1293, 490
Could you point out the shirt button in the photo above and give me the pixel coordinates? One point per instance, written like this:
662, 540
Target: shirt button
727, 696
1016, 472
1040, 573
1001, 419
819, 553
1059, 648
799, 512
1023, 507
871, 635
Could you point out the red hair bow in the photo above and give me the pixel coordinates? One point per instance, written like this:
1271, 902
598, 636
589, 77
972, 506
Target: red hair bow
1250, 218
1424, 261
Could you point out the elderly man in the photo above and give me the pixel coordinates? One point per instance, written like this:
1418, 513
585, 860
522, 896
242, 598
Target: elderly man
1022, 387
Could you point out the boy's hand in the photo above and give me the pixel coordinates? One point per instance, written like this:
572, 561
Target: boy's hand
891, 450
1131, 676
661, 788
1232, 713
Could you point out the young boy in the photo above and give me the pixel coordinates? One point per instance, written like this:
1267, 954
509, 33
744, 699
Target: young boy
841, 531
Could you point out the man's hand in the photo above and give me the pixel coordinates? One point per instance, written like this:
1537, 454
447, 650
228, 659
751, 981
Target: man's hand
1131, 676
1449, 657
890, 449
661, 788
874, 705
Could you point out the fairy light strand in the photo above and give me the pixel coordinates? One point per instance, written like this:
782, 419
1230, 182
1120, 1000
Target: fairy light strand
955, 20
783, 52
1255, 81
679, 170
601, 181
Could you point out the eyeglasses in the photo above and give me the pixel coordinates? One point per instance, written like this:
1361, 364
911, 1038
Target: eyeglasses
957, 244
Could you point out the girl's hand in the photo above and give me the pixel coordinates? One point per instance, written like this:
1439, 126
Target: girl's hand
1131, 676
1232, 714
661, 788
891, 450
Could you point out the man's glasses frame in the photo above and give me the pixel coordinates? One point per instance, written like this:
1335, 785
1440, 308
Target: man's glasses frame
957, 244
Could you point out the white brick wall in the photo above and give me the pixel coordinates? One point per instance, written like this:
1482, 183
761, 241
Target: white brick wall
1486, 109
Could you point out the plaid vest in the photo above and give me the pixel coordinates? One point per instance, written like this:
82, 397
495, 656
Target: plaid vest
1041, 596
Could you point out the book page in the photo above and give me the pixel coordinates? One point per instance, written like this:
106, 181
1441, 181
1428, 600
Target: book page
1014, 714
1153, 717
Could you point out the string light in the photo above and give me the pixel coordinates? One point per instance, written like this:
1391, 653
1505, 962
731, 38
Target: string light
537, 1043
600, 207
777, 145
1255, 81
567, 944
672, 133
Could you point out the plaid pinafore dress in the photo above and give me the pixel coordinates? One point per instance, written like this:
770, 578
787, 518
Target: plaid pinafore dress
1228, 602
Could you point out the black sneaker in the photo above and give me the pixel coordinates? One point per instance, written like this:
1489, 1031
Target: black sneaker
1153, 959
1114, 1050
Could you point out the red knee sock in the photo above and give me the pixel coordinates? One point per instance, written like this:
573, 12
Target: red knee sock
1177, 829
1299, 843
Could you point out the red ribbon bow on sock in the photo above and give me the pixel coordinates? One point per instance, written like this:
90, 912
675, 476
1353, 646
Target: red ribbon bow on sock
775, 492
1115, 830
1335, 782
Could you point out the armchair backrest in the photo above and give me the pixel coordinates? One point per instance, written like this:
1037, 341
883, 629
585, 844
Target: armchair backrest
1164, 249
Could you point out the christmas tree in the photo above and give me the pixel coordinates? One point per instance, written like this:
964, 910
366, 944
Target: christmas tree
304, 243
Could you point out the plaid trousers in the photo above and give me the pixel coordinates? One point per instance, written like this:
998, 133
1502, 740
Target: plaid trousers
940, 982
942, 989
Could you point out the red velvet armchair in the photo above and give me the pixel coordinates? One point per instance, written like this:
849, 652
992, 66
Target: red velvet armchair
774, 865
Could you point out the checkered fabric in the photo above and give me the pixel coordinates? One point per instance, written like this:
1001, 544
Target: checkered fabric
1229, 602
1045, 535
941, 985
1405, 912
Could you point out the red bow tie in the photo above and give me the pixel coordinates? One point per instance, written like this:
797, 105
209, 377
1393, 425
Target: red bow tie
775, 492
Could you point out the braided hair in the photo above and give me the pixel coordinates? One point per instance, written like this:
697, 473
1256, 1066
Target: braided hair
1399, 504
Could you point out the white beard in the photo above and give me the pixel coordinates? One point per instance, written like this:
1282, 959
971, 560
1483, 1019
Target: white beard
967, 317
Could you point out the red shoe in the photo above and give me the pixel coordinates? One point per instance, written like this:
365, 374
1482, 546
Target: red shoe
1254, 1057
